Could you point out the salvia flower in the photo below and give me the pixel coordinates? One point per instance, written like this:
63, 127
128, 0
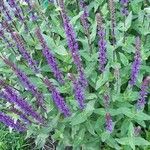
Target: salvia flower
16, 9
124, 9
101, 43
106, 100
124, 2
136, 64
143, 93
109, 123
23, 117
8, 121
113, 20
11, 96
71, 39
57, 98
137, 130
26, 82
79, 93
50, 57
84, 16
3, 37
5, 11
33, 14
20, 44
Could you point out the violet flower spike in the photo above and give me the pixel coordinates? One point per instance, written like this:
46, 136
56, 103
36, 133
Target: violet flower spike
101, 43
113, 20
106, 100
57, 98
124, 9
79, 93
49, 57
17, 10
26, 83
2, 36
20, 44
8, 121
12, 97
23, 117
5, 11
143, 94
33, 15
109, 123
136, 64
72, 41
84, 16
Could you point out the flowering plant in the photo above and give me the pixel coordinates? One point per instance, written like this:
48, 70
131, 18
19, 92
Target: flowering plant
76, 72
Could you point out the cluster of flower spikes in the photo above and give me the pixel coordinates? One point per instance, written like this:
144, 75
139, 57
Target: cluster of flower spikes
26, 82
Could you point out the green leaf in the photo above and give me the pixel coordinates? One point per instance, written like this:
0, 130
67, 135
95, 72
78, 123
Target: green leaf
123, 59
128, 21
79, 118
75, 18
94, 31
105, 136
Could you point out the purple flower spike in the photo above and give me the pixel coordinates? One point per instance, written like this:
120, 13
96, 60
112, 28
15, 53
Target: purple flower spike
106, 100
5, 11
72, 42
101, 43
84, 16
79, 93
109, 123
124, 2
143, 93
33, 15
23, 117
113, 20
20, 44
12, 97
50, 57
136, 64
17, 10
124, 9
26, 82
8, 121
57, 98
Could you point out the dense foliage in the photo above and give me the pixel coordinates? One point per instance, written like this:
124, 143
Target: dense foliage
75, 73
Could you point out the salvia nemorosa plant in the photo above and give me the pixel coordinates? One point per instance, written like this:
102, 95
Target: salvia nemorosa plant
113, 20
57, 98
143, 93
72, 44
124, 9
136, 63
101, 43
26, 82
49, 57
109, 113
8, 121
10, 95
